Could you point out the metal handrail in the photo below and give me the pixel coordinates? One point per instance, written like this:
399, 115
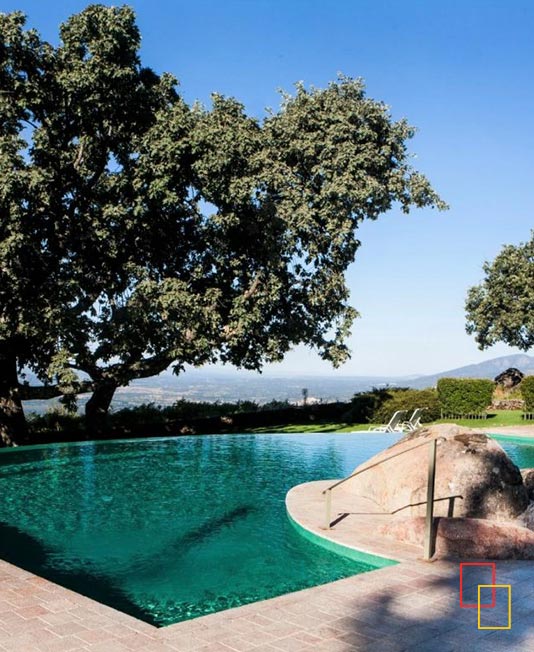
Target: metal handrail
429, 520
371, 466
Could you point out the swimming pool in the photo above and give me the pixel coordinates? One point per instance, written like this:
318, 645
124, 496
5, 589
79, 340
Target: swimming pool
519, 449
171, 529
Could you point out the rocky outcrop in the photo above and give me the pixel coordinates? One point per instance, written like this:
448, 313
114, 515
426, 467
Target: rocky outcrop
467, 538
507, 404
474, 477
509, 378
527, 518
528, 481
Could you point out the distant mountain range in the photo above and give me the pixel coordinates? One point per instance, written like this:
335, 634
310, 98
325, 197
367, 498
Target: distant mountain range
487, 369
203, 385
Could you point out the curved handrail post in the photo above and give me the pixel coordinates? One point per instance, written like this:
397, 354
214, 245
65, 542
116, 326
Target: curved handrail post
429, 522
328, 509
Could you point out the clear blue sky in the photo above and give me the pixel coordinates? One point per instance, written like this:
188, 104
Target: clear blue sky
462, 72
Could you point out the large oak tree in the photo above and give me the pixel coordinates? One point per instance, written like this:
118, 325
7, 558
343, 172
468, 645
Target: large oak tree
139, 232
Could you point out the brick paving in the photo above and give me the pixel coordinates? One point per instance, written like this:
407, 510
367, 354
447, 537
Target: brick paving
411, 606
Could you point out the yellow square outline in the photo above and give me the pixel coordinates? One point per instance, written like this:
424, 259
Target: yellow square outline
496, 586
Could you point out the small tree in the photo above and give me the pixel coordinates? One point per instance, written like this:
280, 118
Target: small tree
501, 308
409, 400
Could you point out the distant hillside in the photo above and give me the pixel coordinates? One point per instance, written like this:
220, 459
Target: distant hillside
211, 386
487, 369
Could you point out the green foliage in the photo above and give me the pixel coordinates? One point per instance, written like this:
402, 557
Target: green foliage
155, 233
128, 418
464, 396
501, 308
183, 409
377, 405
502, 393
527, 393
409, 400
58, 420
154, 415
274, 404
364, 405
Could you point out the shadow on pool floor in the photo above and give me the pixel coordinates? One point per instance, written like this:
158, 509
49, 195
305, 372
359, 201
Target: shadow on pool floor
27, 552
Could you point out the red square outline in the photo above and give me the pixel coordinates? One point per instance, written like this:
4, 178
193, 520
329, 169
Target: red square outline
493, 581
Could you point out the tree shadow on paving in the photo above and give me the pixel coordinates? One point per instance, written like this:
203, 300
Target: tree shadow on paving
423, 614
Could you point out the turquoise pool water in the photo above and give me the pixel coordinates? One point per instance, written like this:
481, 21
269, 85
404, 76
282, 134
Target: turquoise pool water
519, 449
170, 529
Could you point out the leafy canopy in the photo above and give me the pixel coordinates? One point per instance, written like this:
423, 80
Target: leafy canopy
501, 308
138, 231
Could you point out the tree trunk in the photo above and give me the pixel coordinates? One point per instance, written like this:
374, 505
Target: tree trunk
96, 409
13, 429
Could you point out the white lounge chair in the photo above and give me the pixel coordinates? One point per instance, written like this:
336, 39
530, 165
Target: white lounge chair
394, 423
413, 422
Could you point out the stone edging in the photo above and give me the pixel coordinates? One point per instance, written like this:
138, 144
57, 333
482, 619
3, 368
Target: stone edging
333, 546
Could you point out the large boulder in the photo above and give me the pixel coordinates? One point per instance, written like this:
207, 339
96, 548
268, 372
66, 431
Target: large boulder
474, 477
528, 481
507, 404
467, 538
509, 378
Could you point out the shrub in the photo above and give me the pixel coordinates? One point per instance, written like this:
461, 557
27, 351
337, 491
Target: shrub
364, 405
56, 419
527, 392
409, 400
130, 417
502, 393
274, 405
156, 415
464, 396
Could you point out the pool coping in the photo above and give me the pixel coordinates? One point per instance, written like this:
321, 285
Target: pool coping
58, 615
524, 440
72, 597
344, 549
412, 605
305, 505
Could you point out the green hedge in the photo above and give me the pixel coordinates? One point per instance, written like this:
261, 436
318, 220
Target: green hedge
464, 396
409, 400
527, 392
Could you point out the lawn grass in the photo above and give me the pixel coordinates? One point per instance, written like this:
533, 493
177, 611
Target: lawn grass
498, 418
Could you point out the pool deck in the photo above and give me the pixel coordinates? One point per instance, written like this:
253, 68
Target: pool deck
413, 605
512, 431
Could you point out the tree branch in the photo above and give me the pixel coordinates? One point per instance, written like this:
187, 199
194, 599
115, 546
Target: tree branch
253, 288
79, 157
45, 392
123, 372
151, 366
